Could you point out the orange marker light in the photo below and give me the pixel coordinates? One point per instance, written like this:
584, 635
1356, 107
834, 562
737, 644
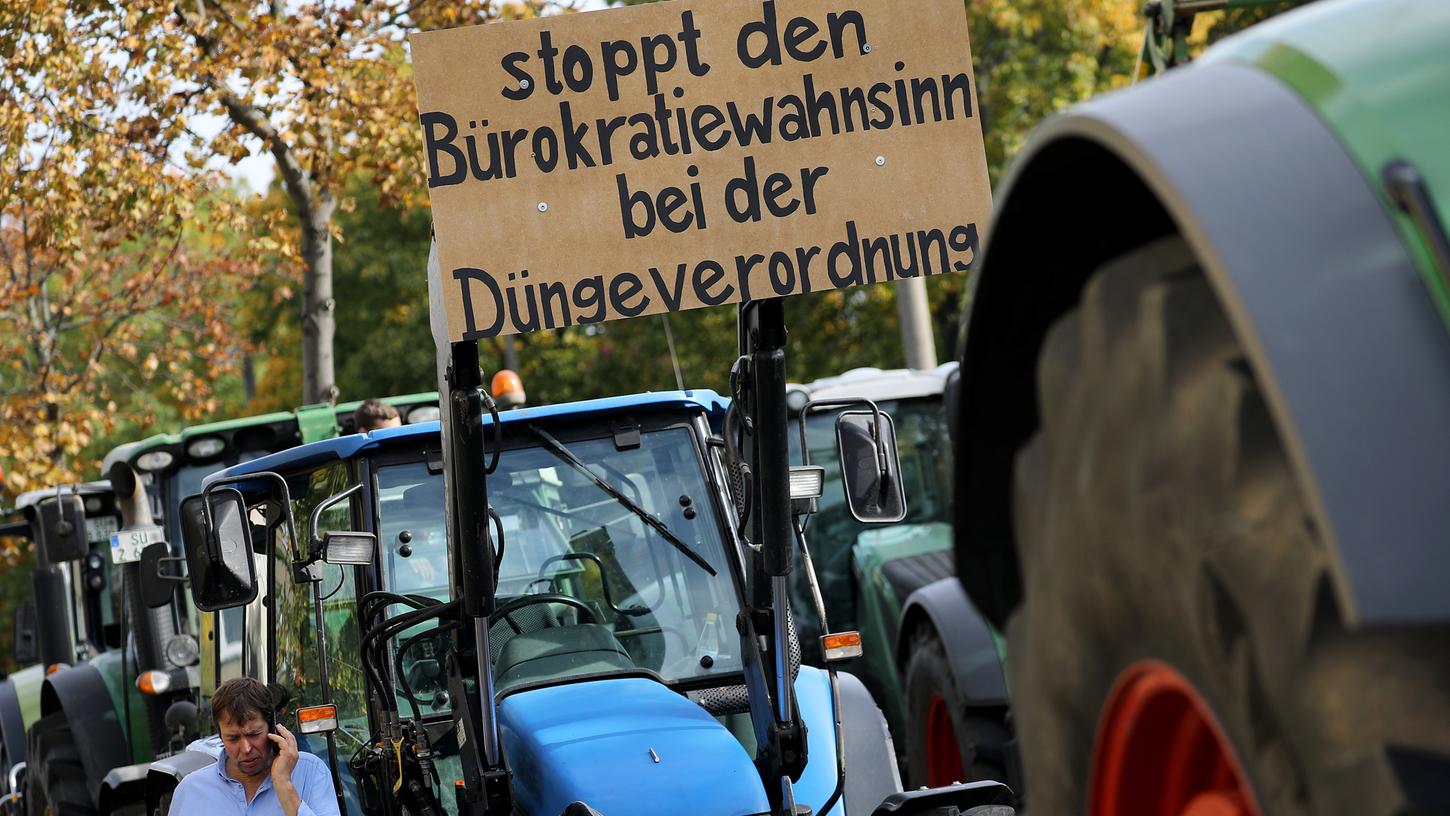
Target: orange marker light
153, 682
508, 389
317, 719
54, 667
841, 645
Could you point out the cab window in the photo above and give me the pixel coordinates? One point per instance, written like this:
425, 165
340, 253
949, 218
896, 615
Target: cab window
295, 623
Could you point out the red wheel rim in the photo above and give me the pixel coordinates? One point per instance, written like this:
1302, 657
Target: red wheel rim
943, 754
1160, 752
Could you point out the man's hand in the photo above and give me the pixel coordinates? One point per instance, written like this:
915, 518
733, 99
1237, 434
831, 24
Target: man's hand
282, 766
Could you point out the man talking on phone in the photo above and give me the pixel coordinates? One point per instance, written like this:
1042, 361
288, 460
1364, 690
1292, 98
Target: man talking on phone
260, 772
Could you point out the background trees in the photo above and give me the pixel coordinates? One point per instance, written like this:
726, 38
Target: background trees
115, 253
118, 117
140, 290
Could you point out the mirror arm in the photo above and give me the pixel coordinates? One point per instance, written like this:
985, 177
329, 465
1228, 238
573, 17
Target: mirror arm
268, 475
166, 576
320, 509
303, 568
842, 403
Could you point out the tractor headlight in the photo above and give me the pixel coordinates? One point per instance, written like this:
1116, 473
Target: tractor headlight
205, 447
182, 650
154, 461
423, 413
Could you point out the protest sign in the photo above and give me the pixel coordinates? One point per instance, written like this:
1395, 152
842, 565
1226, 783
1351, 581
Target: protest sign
593, 166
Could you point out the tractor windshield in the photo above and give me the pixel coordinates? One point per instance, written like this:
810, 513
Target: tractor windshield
586, 585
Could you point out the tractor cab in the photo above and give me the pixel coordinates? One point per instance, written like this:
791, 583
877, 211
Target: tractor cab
616, 562
621, 579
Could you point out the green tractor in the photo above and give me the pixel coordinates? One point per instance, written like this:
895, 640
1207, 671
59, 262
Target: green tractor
1203, 444
96, 727
70, 616
928, 655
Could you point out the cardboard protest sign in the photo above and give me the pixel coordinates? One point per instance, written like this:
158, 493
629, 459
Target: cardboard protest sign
608, 164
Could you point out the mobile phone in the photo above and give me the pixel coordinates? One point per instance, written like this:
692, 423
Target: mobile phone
272, 729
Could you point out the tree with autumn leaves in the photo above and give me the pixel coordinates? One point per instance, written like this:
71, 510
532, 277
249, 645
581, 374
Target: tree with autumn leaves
324, 88
114, 258
122, 247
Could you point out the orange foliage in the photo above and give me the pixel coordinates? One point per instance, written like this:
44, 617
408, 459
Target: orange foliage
114, 255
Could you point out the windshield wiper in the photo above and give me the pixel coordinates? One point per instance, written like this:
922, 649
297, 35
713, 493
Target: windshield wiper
557, 448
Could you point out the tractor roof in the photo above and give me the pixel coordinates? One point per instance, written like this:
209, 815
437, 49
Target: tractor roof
344, 447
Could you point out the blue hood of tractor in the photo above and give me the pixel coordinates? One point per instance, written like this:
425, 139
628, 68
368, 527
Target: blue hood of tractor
591, 742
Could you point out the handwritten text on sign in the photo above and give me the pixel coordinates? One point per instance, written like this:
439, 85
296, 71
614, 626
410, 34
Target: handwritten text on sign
611, 164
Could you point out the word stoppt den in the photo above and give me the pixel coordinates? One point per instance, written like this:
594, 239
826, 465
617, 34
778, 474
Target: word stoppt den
761, 42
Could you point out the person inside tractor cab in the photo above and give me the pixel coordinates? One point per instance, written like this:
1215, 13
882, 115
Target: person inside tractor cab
260, 770
374, 415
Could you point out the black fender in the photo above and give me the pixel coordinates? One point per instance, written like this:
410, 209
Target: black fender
12, 726
1336, 322
870, 755
122, 786
81, 694
970, 647
164, 775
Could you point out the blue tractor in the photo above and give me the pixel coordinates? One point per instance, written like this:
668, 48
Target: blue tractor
627, 668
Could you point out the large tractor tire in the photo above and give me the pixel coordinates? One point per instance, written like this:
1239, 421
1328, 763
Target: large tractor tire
1181, 642
56, 782
945, 741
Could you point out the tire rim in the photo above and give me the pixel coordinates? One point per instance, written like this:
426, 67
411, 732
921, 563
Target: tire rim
1160, 751
943, 753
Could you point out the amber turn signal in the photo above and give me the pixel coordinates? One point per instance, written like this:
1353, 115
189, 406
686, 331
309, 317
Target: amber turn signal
317, 719
841, 645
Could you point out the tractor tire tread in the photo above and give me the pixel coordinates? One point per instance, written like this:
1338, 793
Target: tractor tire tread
1159, 515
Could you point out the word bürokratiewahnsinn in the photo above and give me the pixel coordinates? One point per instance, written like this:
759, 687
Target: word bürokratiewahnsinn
672, 129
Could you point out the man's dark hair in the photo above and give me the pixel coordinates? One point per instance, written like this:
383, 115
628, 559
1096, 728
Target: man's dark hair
240, 699
372, 414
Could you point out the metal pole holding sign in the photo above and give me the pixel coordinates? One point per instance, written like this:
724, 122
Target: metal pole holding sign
782, 757
485, 788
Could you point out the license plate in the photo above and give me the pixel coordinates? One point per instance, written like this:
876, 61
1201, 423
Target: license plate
126, 545
101, 527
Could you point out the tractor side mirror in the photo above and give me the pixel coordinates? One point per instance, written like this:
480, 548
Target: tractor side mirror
218, 549
157, 579
26, 649
870, 466
62, 528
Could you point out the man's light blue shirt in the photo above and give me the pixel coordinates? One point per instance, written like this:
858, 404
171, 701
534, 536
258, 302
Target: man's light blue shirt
212, 791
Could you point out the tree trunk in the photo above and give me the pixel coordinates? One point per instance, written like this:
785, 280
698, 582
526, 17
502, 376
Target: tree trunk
510, 354
319, 323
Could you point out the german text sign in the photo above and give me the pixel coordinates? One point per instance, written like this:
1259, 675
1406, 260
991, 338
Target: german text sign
609, 164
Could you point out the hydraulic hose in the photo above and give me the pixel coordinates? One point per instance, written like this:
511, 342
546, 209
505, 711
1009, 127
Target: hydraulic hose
398, 661
373, 639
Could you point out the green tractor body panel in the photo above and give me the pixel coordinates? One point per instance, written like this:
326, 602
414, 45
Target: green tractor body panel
317, 422
27, 689
879, 605
1372, 97
196, 431
108, 664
